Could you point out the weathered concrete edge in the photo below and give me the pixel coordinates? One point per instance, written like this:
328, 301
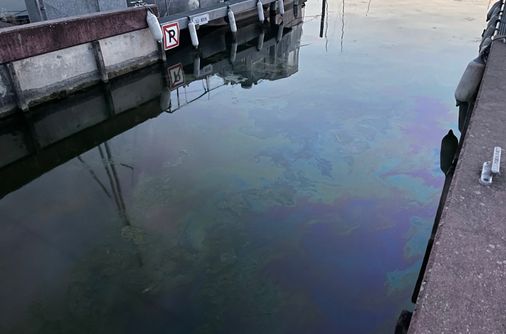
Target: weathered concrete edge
448, 318
29, 40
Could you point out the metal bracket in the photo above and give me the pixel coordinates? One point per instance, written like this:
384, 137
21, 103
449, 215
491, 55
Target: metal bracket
491, 168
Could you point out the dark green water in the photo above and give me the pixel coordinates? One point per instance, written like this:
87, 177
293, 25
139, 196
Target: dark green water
300, 205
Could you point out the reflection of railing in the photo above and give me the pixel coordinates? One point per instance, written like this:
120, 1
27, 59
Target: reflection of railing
271, 54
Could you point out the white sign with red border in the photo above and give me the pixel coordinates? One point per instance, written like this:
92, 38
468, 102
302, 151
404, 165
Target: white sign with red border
170, 35
176, 76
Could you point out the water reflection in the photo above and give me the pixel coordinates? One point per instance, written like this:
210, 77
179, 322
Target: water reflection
57, 132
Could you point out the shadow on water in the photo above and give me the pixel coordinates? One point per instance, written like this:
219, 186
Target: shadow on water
448, 158
54, 133
447, 161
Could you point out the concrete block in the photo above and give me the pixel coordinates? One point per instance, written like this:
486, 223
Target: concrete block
7, 95
54, 9
104, 5
29, 40
47, 75
12, 142
133, 93
127, 52
64, 119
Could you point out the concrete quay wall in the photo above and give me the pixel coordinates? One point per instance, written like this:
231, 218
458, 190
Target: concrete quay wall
51, 59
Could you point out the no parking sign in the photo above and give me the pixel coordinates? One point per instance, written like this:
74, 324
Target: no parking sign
176, 76
170, 35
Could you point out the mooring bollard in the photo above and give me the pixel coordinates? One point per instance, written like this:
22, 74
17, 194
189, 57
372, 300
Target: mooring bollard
491, 168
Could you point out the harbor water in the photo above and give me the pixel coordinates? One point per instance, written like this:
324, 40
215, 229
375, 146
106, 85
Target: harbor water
290, 187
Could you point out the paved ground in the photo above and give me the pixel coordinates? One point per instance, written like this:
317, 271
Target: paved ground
464, 289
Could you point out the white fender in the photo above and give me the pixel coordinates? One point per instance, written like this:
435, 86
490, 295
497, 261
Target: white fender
489, 32
233, 52
165, 100
281, 7
494, 10
470, 82
154, 26
279, 35
260, 10
231, 21
196, 66
493, 20
193, 34
193, 4
260, 44
485, 43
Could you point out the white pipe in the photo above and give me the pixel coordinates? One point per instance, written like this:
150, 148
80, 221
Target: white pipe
231, 21
260, 10
193, 34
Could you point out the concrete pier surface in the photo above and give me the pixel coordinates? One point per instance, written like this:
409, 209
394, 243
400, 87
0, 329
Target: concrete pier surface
464, 287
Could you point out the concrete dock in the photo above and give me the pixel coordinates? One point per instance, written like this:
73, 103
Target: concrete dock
464, 286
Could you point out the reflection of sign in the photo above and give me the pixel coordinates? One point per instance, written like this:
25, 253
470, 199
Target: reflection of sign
201, 19
176, 76
206, 70
170, 35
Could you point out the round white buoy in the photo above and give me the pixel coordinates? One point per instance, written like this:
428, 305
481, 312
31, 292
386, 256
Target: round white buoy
281, 7
470, 82
154, 26
193, 34
231, 21
260, 10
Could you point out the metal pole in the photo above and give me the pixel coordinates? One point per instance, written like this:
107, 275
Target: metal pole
322, 21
